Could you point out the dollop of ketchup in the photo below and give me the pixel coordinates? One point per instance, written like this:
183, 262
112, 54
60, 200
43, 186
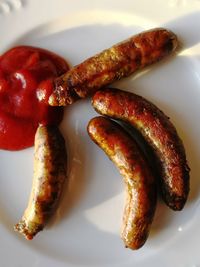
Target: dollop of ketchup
26, 82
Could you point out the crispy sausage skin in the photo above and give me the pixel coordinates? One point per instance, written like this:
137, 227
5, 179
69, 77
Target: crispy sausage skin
159, 132
48, 179
139, 181
112, 64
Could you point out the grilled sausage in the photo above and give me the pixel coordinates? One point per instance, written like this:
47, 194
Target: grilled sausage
48, 179
140, 183
112, 64
159, 132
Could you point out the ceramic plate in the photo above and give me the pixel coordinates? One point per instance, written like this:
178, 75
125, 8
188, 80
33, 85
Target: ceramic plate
85, 230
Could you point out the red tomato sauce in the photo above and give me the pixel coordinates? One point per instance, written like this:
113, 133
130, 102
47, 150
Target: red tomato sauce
26, 75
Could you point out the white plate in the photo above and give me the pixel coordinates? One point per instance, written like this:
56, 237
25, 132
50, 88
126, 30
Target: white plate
85, 230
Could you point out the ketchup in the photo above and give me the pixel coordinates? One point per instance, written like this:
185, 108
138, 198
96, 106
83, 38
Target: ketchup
26, 82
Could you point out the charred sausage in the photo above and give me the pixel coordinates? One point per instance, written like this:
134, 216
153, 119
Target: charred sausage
139, 181
159, 132
49, 176
112, 64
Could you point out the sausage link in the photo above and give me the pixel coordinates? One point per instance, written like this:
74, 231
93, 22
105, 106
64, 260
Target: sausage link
112, 64
140, 183
159, 132
48, 179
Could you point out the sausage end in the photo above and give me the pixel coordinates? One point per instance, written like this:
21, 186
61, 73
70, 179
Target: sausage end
28, 230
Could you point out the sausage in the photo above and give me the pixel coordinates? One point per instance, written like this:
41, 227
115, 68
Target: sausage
160, 134
48, 179
112, 64
140, 183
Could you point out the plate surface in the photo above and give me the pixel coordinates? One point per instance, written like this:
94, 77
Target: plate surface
85, 230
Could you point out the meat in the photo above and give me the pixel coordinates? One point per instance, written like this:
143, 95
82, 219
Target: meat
112, 64
160, 134
140, 183
48, 180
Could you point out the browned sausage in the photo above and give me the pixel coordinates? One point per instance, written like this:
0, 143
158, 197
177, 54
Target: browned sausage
112, 64
159, 132
140, 183
49, 177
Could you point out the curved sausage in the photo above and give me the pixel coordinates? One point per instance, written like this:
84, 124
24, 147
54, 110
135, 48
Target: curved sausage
112, 64
140, 183
159, 132
49, 177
